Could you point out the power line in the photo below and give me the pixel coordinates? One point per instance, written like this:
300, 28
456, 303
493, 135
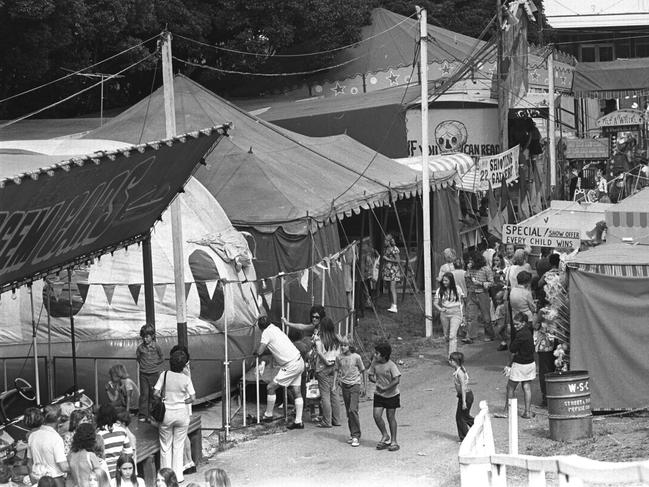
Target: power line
77, 72
250, 73
36, 112
315, 53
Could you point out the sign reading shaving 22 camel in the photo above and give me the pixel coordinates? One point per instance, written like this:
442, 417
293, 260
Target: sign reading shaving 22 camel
540, 236
494, 168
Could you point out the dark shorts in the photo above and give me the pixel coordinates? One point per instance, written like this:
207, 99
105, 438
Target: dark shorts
393, 402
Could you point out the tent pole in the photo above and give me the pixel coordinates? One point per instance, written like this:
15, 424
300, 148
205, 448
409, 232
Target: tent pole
176, 215
74, 343
35, 341
226, 372
425, 183
353, 310
49, 368
147, 264
281, 280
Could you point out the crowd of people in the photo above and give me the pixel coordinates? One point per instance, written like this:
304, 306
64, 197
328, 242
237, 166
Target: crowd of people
73, 444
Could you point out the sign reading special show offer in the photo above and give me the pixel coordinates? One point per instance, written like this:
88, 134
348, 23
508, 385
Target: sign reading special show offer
492, 169
540, 236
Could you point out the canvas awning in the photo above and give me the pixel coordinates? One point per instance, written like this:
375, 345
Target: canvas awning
628, 220
56, 213
451, 165
612, 79
569, 215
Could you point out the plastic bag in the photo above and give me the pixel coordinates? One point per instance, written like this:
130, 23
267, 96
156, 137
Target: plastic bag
312, 389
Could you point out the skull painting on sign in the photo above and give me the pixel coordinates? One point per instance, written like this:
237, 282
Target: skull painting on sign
450, 136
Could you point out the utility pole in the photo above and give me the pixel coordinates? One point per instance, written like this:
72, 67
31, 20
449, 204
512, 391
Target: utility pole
176, 216
503, 136
425, 183
551, 122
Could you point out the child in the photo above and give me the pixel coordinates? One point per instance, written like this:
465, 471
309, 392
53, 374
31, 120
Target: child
350, 370
124, 419
463, 417
150, 359
386, 375
125, 475
499, 318
123, 393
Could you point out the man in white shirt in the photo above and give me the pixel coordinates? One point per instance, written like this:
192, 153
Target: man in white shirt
290, 373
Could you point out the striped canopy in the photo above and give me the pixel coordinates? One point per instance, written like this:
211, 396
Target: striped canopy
628, 221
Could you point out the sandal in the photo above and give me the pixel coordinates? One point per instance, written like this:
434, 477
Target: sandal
529, 415
383, 445
500, 415
394, 447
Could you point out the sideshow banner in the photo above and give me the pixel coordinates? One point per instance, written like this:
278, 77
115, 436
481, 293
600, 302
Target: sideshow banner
493, 169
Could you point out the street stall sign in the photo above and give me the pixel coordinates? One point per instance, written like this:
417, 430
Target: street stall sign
587, 149
540, 236
621, 120
64, 214
492, 169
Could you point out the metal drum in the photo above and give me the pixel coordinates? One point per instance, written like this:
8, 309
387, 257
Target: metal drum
568, 395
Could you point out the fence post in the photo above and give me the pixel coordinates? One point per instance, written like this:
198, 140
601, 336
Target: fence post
4, 372
512, 414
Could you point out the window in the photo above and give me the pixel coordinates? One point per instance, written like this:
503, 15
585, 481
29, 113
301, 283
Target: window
596, 52
641, 48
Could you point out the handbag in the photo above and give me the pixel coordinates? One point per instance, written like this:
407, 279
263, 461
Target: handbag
158, 408
312, 389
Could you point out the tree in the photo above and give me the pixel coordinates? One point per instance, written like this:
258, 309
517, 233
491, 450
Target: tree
45, 39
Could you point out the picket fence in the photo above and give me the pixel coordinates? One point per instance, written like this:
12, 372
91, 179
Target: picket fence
480, 466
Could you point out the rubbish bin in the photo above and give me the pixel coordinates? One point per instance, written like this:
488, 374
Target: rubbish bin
568, 395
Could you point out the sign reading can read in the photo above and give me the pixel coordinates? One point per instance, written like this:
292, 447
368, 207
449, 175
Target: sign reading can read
540, 236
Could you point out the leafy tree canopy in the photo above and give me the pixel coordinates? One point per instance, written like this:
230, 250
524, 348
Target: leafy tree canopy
43, 40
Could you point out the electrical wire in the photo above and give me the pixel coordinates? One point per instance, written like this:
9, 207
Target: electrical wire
77, 72
315, 53
5, 125
250, 73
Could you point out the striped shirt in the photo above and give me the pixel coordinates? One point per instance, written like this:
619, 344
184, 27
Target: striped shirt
478, 277
116, 442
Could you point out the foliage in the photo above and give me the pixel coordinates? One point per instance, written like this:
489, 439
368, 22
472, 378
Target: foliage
45, 39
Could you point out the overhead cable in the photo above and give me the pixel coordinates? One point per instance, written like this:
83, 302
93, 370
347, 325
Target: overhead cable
36, 112
77, 72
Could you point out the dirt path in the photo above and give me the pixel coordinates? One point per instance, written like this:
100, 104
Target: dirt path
427, 434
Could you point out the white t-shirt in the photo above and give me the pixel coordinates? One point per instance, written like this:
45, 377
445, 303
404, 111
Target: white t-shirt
280, 345
178, 388
128, 483
46, 450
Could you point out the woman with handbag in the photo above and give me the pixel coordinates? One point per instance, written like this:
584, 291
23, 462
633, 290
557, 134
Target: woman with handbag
177, 393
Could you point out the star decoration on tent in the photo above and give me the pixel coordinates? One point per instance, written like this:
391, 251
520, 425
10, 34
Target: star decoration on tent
563, 79
393, 78
535, 75
338, 89
446, 68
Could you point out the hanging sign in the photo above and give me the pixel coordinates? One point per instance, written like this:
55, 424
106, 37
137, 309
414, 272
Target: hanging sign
540, 236
621, 118
493, 169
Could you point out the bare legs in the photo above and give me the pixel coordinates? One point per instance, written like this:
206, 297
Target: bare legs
392, 423
527, 395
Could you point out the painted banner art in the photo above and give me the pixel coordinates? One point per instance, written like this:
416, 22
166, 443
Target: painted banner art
70, 211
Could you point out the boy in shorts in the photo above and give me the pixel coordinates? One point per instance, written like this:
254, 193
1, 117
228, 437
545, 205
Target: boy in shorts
290, 373
386, 375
